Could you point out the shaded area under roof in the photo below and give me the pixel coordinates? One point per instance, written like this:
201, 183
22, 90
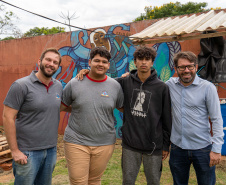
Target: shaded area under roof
183, 27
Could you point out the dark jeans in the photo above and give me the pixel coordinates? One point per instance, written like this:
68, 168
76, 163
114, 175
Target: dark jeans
39, 168
180, 162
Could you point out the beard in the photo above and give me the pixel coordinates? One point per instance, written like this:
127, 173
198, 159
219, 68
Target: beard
187, 80
48, 75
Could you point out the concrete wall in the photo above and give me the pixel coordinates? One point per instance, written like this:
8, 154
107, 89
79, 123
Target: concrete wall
19, 57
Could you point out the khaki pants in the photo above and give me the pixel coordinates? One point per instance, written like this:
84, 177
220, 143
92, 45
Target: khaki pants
86, 164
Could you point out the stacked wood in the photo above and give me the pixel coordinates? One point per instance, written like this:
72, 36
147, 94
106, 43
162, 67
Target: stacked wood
5, 154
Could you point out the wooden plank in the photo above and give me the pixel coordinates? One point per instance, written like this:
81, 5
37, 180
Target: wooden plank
5, 159
5, 152
4, 147
3, 143
2, 138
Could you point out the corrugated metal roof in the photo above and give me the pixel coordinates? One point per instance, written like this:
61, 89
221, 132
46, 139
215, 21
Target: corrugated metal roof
180, 25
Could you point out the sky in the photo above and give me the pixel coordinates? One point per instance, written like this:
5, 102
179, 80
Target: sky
89, 13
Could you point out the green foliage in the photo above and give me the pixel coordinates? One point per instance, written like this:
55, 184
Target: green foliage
7, 38
6, 22
43, 31
60, 168
171, 9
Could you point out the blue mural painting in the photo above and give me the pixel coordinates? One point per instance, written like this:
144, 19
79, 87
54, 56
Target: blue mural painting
121, 49
164, 60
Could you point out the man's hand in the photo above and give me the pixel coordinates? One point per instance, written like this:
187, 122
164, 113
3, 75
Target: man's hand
215, 158
125, 75
19, 157
164, 155
82, 73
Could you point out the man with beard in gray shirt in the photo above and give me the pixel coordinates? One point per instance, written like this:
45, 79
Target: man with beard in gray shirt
35, 102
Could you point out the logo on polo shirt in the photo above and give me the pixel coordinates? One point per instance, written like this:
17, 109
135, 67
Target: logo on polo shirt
57, 96
105, 94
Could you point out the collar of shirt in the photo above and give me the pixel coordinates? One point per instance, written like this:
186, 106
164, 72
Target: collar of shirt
35, 79
195, 82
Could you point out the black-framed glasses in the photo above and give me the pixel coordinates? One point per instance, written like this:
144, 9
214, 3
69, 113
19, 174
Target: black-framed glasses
182, 68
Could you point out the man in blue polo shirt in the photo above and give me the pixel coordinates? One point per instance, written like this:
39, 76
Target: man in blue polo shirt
194, 100
35, 102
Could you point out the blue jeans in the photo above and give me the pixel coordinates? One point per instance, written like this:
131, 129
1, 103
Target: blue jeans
180, 162
39, 168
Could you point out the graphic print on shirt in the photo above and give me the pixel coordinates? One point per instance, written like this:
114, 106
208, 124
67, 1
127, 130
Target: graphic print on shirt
57, 96
140, 102
105, 94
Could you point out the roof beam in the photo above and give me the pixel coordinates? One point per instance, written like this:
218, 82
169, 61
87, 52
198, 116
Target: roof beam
177, 38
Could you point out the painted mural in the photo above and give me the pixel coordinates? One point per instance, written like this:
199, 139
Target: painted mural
121, 49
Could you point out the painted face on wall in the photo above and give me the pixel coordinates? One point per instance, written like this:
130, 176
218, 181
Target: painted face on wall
100, 40
49, 64
186, 71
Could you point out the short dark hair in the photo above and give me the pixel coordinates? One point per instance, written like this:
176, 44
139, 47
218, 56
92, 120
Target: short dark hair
103, 52
185, 55
54, 50
144, 52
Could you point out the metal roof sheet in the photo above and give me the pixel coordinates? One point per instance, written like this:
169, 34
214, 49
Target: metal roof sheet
174, 26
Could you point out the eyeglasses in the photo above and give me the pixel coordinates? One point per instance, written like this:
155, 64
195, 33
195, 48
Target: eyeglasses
182, 68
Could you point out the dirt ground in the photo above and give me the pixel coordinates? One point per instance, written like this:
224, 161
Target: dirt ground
7, 176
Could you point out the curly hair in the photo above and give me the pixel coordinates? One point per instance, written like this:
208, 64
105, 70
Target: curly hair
101, 51
144, 52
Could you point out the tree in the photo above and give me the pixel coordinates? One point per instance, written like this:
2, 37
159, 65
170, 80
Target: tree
171, 9
8, 38
6, 23
43, 31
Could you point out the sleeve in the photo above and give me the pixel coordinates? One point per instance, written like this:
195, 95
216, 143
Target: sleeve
120, 81
166, 119
120, 98
214, 110
15, 96
67, 94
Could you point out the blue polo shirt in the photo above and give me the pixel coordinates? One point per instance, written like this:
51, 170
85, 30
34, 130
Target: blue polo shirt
191, 108
38, 112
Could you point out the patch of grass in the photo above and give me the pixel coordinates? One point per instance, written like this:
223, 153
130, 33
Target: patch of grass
60, 168
8, 183
113, 173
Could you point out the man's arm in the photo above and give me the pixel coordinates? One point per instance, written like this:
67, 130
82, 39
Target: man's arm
213, 107
9, 115
166, 122
81, 74
215, 158
164, 155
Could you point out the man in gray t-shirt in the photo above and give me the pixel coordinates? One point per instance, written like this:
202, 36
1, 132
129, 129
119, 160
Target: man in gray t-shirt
35, 102
90, 134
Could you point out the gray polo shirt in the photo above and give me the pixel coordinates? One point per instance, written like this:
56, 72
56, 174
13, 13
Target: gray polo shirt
38, 112
92, 121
